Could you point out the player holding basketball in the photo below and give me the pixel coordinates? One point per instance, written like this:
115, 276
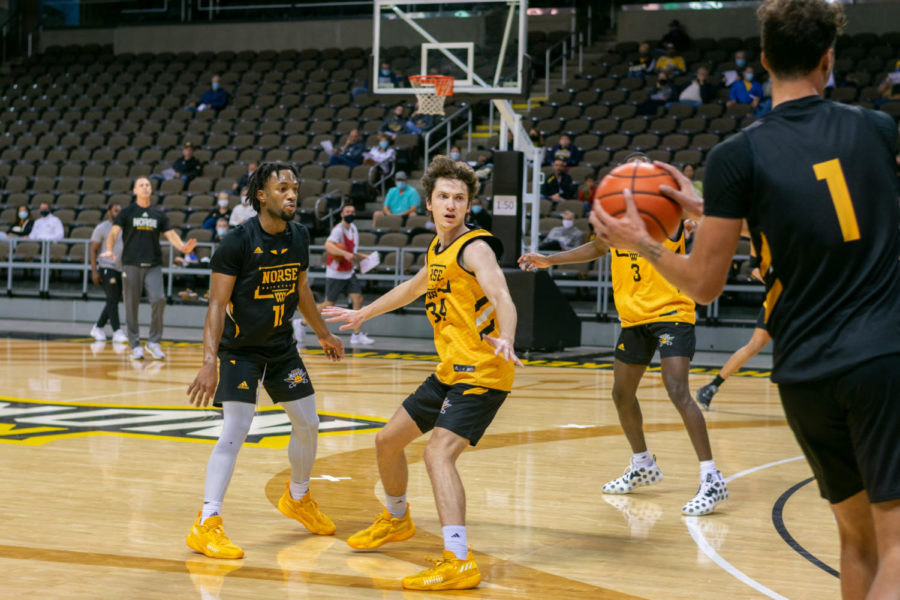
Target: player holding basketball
654, 314
258, 274
815, 181
474, 321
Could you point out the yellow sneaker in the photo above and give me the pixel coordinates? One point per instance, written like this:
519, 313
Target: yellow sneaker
306, 510
209, 538
385, 529
448, 573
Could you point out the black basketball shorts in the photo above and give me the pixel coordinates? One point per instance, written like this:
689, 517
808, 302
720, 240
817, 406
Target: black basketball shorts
847, 425
637, 344
464, 409
239, 380
761, 319
335, 287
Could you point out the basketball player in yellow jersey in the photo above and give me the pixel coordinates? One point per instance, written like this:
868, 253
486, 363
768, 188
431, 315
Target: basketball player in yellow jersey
474, 320
654, 314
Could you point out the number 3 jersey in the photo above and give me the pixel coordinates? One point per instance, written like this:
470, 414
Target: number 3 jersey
266, 270
461, 314
644, 296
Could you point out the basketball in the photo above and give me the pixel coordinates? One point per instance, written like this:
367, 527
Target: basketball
660, 214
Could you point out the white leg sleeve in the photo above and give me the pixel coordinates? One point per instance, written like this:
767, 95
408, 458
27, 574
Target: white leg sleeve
304, 436
238, 418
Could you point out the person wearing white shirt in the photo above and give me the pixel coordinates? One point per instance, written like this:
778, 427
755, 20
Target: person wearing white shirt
48, 227
382, 154
242, 211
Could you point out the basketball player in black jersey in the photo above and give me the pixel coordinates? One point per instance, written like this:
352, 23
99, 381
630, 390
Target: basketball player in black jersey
258, 276
815, 181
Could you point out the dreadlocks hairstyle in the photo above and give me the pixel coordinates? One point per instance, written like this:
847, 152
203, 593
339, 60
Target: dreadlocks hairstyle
796, 33
444, 166
261, 175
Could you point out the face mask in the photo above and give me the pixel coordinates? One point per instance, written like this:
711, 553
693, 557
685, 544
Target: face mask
348, 219
383, 144
386, 72
401, 185
215, 86
223, 203
740, 62
454, 155
477, 209
221, 232
245, 200
44, 213
23, 214
749, 76
568, 223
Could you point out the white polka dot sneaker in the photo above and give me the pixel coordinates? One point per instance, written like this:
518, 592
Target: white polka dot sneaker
633, 477
712, 491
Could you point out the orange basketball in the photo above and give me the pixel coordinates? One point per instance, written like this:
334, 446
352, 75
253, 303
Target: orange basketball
660, 214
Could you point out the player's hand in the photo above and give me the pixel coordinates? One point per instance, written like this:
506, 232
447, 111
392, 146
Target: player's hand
203, 388
334, 349
189, 246
95, 277
336, 314
624, 232
686, 195
503, 348
755, 274
532, 261
108, 254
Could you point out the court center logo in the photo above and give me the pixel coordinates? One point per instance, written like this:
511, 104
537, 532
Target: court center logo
35, 422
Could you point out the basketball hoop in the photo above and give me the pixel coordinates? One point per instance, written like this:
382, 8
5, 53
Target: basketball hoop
431, 92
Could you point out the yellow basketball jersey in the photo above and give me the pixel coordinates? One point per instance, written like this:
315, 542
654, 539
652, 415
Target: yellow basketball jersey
642, 295
461, 314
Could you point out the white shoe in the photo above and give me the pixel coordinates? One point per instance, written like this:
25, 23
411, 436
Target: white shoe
360, 339
712, 491
633, 477
299, 331
119, 337
97, 347
155, 351
137, 353
98, 334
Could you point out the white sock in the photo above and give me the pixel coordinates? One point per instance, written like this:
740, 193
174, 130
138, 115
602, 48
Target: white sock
707, 466
210, 509
642, 459
455, 540
303, 441
396, 505
298, 490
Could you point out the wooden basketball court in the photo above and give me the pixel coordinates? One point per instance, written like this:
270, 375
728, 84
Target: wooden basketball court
103, 468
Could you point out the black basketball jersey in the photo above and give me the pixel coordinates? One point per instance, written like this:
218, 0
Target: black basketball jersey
815, 181
267, 268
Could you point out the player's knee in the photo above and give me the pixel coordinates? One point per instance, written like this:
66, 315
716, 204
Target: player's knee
620, 395
678, 390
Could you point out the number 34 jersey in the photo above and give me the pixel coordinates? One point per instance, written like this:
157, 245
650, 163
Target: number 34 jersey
266, 270
461, 314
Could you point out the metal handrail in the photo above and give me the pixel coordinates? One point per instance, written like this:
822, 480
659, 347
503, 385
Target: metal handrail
451, 131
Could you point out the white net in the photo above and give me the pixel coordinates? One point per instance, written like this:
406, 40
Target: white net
432, 92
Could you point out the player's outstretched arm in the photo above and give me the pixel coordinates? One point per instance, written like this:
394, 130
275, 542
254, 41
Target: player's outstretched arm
479, 258
583, 253
701, 274
400, 296
114, 232
203, 388
333, 347
180, 245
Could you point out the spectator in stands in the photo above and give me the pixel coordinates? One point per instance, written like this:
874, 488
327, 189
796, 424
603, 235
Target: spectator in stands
187, 167
350, 152
699, 90
564, 151
890, 87
565, 236
586, 191
558, 186
341, 264
419, 122
402, 200
483, 167
536, 138
690, 173
381, 155
214, 98
395, 124
242, 211
661, 95
241, 183
455, 153
24, 223
222, 229
736, 74
745, 91
676, 36
219, 211
479, 215
108, 273
671, 61
48, 227
644, 63
387, 77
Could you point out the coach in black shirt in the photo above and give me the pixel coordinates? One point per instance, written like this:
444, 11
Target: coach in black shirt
141, 225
